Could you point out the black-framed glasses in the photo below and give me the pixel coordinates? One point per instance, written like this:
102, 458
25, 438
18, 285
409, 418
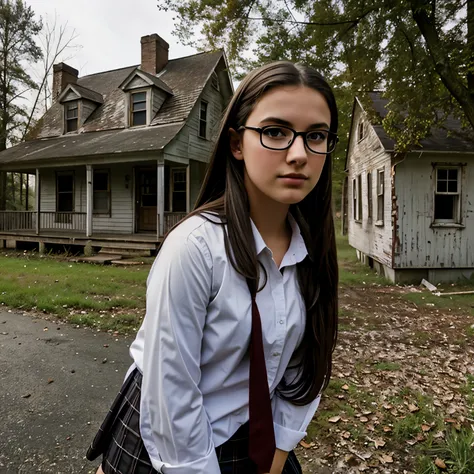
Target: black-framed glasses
280, 137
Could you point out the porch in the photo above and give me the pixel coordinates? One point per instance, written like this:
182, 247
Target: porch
70, 228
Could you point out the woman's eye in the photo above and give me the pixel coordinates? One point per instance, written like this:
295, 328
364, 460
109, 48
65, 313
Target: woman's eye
317, 136
276, 132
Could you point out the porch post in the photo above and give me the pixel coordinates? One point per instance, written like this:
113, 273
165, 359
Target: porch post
160, 193
89, 197
188, 187
38, 201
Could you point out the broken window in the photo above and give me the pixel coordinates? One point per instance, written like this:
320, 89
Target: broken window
447, 195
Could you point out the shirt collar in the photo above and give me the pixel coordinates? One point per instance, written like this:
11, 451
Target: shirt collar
297, 250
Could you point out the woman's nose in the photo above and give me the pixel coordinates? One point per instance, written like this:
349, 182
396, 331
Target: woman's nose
297, 151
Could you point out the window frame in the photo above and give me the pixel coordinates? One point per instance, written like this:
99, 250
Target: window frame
132, 112
203, 120
457, 220
369, 197
380, 197
72, 105
65, 217
102, 212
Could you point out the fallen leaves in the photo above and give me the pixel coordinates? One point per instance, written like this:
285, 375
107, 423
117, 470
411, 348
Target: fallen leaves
375, 414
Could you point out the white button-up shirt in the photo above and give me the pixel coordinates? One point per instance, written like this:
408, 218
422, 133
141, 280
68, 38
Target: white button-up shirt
192, 347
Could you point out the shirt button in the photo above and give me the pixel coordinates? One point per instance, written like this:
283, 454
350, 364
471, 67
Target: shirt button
275, 354
281, 321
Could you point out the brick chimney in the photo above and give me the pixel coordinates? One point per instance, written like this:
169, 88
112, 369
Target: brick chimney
154, 53
62, 76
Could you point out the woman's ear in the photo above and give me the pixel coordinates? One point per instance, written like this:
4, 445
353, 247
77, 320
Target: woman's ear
235, 144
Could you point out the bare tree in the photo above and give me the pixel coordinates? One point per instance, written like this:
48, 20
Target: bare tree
55, 39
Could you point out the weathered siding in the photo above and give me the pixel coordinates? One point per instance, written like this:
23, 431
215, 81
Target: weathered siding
188, 144
121, 219
197, 172
157, 98
367, 155
86, 108
421, 245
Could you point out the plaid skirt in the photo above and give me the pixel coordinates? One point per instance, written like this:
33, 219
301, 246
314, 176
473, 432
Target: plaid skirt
120, 443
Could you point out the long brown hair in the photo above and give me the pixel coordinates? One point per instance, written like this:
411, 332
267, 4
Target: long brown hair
223, 193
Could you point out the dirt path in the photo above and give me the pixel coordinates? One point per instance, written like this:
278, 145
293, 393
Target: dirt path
399, 377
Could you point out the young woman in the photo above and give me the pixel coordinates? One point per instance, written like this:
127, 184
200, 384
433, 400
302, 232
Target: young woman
241, 321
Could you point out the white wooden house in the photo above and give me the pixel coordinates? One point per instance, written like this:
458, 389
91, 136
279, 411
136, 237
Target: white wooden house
410, 216
120, 156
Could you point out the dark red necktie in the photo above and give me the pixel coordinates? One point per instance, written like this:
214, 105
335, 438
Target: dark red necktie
261, 433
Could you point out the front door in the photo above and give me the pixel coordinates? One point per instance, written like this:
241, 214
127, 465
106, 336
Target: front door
146, 186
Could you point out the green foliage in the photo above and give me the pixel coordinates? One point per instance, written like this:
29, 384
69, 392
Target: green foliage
18, 28
414, 50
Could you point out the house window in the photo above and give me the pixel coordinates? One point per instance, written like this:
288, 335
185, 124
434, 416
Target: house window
101, 192
138, 109
354, 199
203, 120
359, 197
369, 197
380, 196
360, 130
178, 187
215, 81
447, 195
72, 114
64, 195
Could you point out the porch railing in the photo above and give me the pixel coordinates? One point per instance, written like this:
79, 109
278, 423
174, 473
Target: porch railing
63, 221
172, 218
17, 220
26, 220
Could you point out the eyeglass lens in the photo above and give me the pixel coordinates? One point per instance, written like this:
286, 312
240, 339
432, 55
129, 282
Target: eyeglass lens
280, 138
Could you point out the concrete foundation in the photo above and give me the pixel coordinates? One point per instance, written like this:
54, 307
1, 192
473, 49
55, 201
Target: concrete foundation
415, 275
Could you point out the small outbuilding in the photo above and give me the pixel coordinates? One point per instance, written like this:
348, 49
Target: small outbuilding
410, 215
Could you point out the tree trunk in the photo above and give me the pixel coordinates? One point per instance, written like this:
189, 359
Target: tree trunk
449, 77
470, 45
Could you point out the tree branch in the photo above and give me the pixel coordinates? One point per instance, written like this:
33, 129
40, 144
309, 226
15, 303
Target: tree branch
442, 63
352, 22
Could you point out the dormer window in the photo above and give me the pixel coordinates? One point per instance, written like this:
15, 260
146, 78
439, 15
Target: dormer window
78, 104
203, 119
72, 116
138, 109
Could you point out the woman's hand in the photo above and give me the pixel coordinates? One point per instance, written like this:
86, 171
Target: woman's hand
279, 460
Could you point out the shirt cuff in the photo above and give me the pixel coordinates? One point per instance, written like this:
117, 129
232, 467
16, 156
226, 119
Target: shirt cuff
208, 464
287, 439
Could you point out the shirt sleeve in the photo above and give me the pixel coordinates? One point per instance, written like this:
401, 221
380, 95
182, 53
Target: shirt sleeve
174, 425
290, 421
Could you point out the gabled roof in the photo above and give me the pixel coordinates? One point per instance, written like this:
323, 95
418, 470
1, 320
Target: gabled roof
147, 77
185, 77
82, 92
440, 139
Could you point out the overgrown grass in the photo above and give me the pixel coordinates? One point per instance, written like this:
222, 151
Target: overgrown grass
103, 296
351, 271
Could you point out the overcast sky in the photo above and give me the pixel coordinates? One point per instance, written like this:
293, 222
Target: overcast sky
109, 31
